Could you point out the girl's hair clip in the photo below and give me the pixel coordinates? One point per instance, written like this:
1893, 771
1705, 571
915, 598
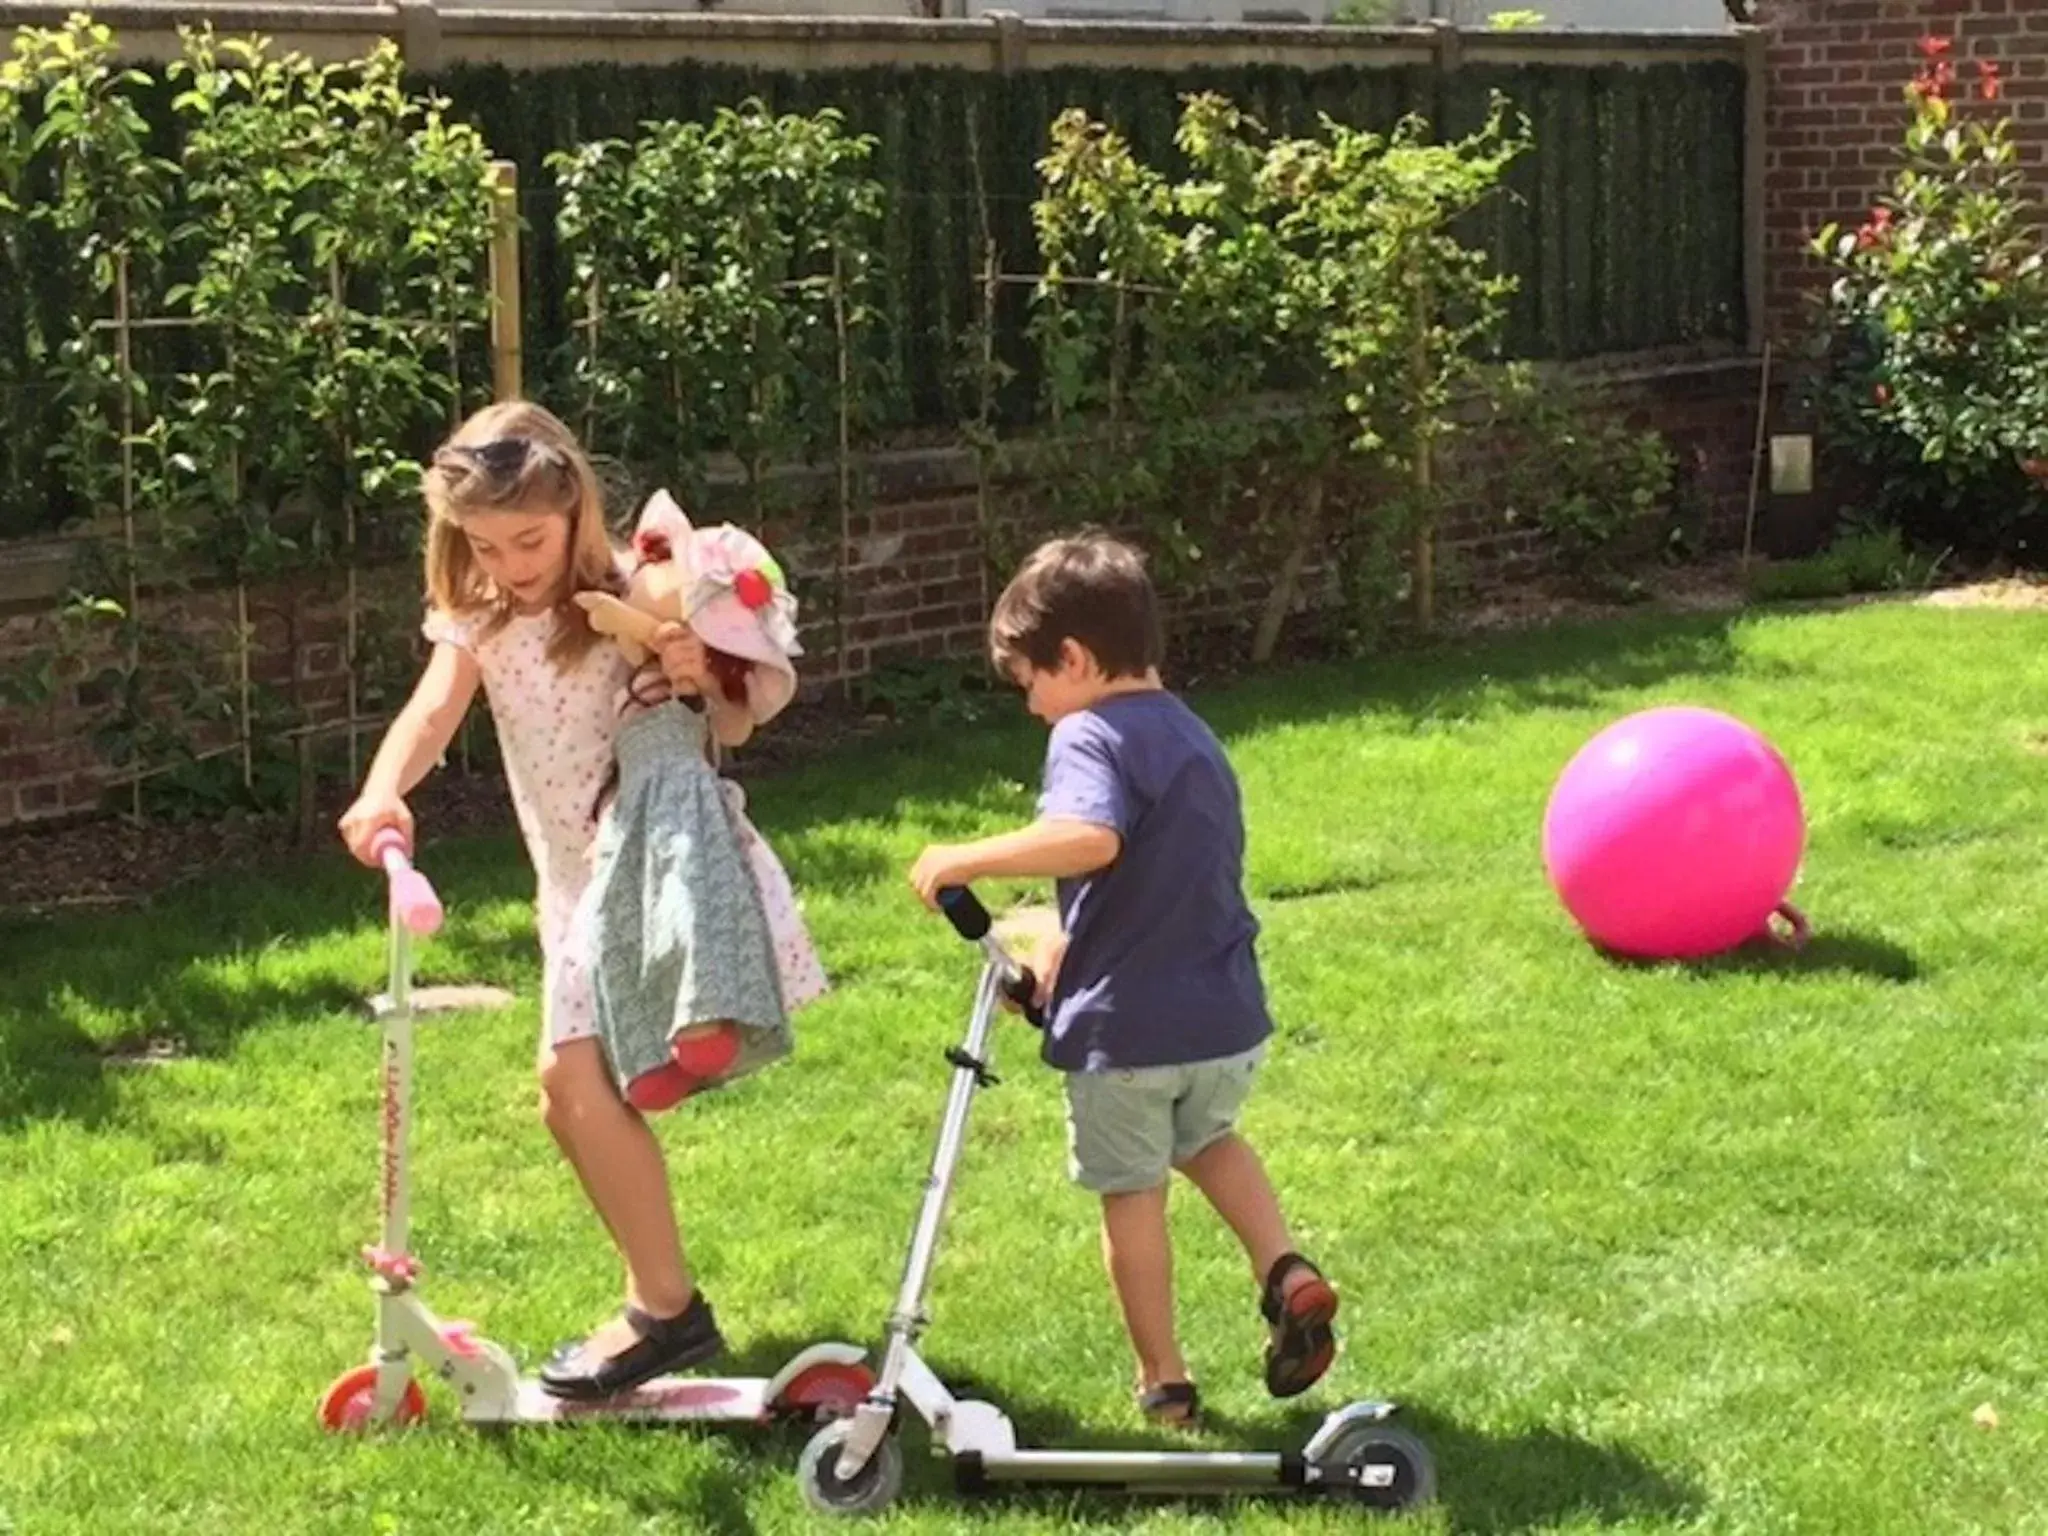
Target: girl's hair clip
502, 458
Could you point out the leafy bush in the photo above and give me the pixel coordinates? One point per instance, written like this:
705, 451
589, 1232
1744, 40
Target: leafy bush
1590, 481
1937, 326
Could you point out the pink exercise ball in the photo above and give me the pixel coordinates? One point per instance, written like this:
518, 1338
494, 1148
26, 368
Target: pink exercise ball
1674, 834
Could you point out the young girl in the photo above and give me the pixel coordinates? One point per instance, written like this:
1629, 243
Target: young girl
700, 954
515, 528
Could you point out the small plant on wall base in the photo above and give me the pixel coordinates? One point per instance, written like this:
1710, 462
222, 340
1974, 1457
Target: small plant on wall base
1598, 489
1368, 13
1867, 555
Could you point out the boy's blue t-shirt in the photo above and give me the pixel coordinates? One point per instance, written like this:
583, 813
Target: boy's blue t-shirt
1160, 968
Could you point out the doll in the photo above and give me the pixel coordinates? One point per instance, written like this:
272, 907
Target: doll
697, 951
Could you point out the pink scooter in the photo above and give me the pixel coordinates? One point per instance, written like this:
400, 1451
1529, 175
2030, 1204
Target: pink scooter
823, 1381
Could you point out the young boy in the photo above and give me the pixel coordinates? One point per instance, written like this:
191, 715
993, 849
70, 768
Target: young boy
1155, 1010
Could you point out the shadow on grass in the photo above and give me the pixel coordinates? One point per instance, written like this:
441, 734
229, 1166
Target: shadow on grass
1488, 1482
1824, 954
153, 975
51, 1067
1492, 1482
1854, 953
83, 999
696, 1497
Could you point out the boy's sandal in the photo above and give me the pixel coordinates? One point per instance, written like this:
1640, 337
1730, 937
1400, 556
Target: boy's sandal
1301, 1345
1174, 1403
664, 1344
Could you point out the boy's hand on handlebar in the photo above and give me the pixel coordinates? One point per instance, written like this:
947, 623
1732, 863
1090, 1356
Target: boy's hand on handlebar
371, 814
1046, 956
940, 865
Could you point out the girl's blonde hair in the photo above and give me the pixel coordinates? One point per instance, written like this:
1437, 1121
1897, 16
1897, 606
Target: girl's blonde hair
516, 456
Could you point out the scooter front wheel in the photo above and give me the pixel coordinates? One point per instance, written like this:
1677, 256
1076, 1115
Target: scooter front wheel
345, 1408
869, 1491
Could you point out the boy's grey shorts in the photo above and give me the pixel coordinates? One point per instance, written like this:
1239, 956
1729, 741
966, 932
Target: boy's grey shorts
1126, 1130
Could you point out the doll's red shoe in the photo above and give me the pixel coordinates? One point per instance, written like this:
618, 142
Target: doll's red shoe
707, 1055
663, 1088
697, 1059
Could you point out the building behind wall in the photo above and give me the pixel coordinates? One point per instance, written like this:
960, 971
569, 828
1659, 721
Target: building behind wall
1584, 15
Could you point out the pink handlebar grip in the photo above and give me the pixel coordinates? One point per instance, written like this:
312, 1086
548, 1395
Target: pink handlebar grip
413, 900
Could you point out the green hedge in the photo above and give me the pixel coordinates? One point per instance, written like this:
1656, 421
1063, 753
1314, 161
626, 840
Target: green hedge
1625, 224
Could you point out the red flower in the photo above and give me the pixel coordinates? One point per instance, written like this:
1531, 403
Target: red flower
1874, 229
753, 589
1933, 82
1933, 47
1873, 233
654, 547
1988, 85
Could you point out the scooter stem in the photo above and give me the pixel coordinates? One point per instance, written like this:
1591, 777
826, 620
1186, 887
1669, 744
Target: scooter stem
970, 1068
397, 1089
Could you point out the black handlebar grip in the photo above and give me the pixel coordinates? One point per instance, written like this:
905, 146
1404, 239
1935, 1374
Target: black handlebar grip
965, 912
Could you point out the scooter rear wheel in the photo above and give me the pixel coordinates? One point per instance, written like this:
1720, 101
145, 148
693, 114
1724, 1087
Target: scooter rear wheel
827, 1391
1381, 1466
345, 1409
871, 1490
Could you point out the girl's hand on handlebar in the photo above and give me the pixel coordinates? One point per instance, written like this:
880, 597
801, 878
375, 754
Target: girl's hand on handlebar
371, 814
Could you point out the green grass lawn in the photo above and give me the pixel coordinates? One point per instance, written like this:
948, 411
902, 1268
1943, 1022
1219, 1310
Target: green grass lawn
1731, 1248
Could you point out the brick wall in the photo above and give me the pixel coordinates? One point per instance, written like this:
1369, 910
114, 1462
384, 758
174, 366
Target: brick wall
917, 586
50, 762
1836, 112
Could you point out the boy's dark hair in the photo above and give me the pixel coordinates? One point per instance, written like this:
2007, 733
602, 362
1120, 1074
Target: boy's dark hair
1091, 589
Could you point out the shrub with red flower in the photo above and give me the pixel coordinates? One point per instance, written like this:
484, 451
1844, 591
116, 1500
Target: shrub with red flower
1937, 320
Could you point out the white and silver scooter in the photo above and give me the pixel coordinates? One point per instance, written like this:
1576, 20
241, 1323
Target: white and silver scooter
855, 1465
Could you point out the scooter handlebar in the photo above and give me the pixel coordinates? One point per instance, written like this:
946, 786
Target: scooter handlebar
965, 912
970, 919
413, 901
1023, 991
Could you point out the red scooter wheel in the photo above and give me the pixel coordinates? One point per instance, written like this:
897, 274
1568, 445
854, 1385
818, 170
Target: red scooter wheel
346, 1407
827, 1391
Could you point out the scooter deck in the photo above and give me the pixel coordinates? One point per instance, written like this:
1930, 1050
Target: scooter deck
664, 1400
